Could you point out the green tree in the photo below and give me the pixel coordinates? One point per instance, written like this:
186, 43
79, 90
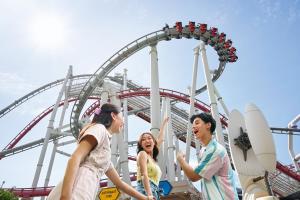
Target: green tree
7, 195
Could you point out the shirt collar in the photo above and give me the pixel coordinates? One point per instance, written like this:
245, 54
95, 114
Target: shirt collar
211, 142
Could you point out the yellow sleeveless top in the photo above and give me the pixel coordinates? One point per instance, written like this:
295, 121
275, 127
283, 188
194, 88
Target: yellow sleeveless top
154, 172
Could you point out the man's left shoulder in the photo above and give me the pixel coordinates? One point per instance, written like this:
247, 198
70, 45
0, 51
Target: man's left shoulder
220, 149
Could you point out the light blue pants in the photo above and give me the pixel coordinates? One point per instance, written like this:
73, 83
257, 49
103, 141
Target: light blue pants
154, 188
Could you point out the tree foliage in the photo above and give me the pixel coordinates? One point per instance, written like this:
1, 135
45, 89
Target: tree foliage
7, 195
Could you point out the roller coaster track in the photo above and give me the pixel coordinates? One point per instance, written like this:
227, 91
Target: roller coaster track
39, 90
8, 149
147, 40
284, 177
138, 92
283, 173
83, 78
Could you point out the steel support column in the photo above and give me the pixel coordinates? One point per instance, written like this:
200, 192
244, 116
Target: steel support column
211, 93
154, 93
192, 101
49, 130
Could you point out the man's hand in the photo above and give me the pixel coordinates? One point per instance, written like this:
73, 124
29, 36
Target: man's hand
180, 156
188, 170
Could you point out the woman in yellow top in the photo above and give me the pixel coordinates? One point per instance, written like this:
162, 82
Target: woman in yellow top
148, 171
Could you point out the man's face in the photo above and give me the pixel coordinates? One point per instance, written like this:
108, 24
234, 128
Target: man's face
200, 128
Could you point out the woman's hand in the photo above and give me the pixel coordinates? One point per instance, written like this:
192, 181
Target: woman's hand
165, 120
161, 134
150, 197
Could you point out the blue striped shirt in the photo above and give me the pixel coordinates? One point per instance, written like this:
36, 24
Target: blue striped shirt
217, 180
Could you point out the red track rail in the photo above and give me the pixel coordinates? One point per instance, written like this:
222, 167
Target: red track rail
288, 171
171, 94
123, 94
34, 122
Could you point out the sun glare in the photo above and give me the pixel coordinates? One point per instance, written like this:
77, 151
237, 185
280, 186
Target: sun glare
47, 31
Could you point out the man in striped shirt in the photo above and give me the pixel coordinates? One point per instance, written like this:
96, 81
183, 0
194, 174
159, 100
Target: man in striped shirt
214, 169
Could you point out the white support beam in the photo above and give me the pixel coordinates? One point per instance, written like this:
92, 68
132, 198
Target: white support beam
192, 101
171, 147
154, 92
211, 93
49, 130
162, 156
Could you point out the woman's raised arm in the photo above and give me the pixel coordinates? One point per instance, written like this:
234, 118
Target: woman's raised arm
161, 134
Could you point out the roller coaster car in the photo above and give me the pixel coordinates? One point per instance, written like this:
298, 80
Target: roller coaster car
178, 27
222, 37
191, 26
166, 27
227, 44
211, 42
233, 58
219, 45
232, 50
203, 28
213, 31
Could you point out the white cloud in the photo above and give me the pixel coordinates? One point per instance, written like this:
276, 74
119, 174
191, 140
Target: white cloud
13, 84
293, 13
270, 8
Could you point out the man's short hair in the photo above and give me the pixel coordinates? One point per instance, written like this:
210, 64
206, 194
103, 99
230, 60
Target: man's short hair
207, 118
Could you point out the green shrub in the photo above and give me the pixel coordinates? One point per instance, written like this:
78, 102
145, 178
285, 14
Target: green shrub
7, 195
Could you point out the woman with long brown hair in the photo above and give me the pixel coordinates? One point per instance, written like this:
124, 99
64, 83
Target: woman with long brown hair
92, 159
148, 171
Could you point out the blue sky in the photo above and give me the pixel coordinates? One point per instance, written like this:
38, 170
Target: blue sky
264, 32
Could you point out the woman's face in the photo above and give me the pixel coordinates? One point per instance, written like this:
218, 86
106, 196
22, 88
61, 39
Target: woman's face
147, 142
117, 123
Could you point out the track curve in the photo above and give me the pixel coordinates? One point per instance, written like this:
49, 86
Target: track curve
211, 37
39, 90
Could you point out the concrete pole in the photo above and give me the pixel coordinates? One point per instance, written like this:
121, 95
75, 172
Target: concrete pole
178, 169
211, 93
65, 106
123, 139
49, 130
125, 111
192, 101
162, 158
50, 165
293, 124
154, 92
220, 99
171, 147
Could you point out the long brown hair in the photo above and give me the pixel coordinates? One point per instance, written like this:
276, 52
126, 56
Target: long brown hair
155, 148
102, 116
